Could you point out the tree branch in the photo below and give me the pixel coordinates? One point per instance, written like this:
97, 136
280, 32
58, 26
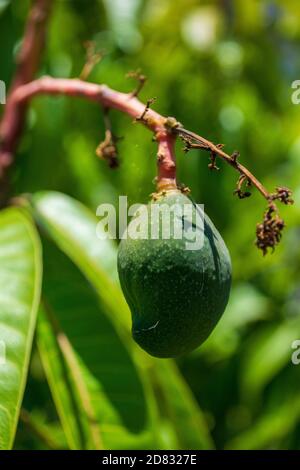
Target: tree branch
269, 231
108, 98
194, 141
27, 64
165, 131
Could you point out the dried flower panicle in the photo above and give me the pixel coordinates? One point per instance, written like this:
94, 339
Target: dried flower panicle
283, 195
107, 150
212, 164
241, 194
269, 232
243, 180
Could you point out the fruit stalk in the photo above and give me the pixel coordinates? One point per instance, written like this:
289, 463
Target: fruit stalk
166, 162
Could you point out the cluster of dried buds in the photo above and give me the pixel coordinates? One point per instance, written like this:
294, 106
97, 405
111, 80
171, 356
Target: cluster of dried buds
243, 180
269, 231
107, 150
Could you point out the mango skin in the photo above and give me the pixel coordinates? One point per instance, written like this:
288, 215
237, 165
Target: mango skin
176, 296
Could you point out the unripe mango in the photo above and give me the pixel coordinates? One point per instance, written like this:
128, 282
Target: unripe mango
176, 295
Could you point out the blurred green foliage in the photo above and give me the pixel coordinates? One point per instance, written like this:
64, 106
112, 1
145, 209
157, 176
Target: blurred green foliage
224, 69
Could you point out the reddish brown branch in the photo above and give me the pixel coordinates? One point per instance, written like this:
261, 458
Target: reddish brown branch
166, 161
107, 149
100, 94
165, 130
27, 64
109, 98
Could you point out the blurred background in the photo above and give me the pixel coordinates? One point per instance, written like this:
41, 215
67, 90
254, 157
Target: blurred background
224, 69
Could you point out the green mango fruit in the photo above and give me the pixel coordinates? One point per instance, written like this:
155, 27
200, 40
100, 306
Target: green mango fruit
176, 294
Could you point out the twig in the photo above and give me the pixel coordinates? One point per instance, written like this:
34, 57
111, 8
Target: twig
92, 59
107, 150
239, 189
142, 117
74, 380
194, 141
109, 98
141, 78
269, 232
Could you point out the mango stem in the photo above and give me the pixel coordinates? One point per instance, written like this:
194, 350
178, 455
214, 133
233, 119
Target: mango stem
166, 160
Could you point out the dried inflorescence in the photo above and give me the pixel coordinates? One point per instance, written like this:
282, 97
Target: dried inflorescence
141, 79
243, 180
212, 164
269, 232
283, 195
107, 150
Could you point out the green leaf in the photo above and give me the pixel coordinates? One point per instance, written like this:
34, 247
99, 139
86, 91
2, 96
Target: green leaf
20, 275
73, 228
59, 377
89, 369
181, 407
270, 428
34, 426
3, 5
267, 352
